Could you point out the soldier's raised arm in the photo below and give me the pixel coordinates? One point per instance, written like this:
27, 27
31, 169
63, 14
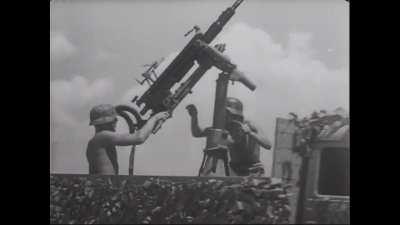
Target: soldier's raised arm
258, 134
136, 138
197, 131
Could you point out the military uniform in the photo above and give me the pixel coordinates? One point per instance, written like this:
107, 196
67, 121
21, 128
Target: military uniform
244, 151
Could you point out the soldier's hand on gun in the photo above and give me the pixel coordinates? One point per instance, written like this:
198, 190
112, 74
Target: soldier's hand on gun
192, 110
161, 116
245, 128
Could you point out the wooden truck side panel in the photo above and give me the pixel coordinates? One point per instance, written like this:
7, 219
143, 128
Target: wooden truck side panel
286, 164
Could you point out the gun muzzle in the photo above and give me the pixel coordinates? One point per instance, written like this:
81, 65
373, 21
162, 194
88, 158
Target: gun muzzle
236, 4
238, 75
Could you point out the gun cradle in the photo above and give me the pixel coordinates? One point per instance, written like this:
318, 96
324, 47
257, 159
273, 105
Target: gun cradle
207, 57
159, 97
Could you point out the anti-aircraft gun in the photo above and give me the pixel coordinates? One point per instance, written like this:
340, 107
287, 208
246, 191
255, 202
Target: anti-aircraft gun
159, 97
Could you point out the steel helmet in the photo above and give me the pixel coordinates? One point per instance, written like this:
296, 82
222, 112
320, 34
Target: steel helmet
234, 106
102, 114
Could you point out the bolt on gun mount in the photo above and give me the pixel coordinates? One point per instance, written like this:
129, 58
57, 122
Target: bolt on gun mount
159, 97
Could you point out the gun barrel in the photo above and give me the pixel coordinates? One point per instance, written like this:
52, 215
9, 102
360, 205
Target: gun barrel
237, 75
236, 4
248, 83
217, 26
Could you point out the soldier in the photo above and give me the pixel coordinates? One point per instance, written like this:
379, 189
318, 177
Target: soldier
244, 139
101, 153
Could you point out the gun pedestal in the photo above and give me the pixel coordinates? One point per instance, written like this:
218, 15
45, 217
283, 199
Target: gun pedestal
215, 161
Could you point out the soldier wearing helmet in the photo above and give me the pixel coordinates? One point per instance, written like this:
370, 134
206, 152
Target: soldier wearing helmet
101, 153
244, 139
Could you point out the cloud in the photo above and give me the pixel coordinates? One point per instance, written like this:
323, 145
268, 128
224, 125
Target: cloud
104, 56
60, 47
289, 79
70, 97
78, 91
70, 102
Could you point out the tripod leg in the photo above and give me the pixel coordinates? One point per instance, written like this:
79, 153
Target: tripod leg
131, 160
226, 165
202, 165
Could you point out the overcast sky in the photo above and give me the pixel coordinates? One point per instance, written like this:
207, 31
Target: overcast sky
297, 52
